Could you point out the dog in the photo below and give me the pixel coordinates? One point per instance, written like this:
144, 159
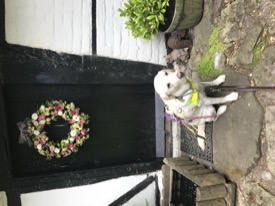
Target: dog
186, 99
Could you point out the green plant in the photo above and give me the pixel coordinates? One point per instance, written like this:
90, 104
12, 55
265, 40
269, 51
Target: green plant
258, 49
145, 16
206, 64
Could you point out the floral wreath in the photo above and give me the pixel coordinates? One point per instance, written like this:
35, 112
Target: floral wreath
32, 130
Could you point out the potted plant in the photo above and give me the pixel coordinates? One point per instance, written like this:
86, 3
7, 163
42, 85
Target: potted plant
147, 17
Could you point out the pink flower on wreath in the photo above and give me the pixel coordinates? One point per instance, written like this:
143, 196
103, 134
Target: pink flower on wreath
62, 153
60, 107
41, 117
81, 121
36, 143
77, 138
83, 132
40, 127
51, 148
70, 146
42, 141
75, 112
35, 123
71, 121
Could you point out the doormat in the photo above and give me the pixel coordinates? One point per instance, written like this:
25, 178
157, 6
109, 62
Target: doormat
190, 146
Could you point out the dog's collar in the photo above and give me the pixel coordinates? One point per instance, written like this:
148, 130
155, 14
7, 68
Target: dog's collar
194, 100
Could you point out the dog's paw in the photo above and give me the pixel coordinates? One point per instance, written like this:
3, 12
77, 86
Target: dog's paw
220, 79
233, 96
221, 110
201, 143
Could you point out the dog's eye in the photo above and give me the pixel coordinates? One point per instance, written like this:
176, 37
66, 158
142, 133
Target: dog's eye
168, 85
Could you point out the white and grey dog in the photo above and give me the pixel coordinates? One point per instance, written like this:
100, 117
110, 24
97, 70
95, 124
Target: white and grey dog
186, 99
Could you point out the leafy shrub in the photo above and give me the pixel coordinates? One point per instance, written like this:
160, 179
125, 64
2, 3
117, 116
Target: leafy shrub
145, 16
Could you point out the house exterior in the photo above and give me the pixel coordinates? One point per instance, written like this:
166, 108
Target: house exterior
74, 49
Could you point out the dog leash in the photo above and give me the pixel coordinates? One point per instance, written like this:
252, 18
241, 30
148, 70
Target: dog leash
212, 89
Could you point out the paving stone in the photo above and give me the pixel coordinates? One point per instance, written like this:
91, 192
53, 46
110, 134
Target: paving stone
257, 196
244, 55
270, 123
231, 19
271, 157
236, 137
264, 72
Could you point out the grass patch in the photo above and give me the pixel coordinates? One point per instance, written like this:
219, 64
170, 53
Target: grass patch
258, 49
206, 64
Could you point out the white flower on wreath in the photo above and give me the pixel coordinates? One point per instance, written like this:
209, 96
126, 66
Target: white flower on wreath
42, 108
59, 113
42, 122
73, 133
47, 112
75, 126
56, 150
72, 106
71, 139
34, 116
76, 118
39, 146
36, 132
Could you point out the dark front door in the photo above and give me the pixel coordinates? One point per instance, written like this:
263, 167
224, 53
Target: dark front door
122, 125
117, 95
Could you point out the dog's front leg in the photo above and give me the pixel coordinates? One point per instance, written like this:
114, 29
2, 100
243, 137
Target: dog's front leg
201, 136
233, 96
217, 81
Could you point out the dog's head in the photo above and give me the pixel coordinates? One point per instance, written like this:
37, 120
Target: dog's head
170, 84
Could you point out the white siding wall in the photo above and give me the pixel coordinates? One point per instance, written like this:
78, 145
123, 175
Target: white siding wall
114, 40
58, 25
65, 26
99, 194
3, 199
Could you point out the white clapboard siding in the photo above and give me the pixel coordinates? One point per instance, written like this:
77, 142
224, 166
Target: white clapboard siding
3, 199
99, 194
113, 40
66, 26
58, 25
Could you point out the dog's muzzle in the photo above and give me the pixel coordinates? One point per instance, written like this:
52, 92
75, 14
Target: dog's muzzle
180, 75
